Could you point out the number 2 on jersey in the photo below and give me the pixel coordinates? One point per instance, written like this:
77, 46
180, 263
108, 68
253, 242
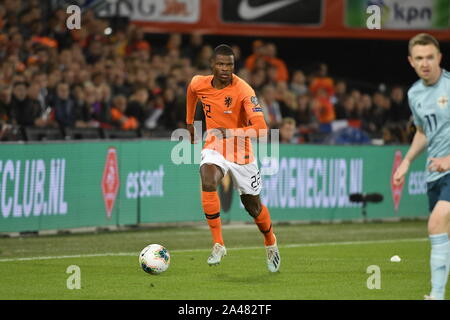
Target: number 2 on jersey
207, 109
256, 180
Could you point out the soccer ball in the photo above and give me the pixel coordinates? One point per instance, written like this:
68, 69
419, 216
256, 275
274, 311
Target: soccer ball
154, 259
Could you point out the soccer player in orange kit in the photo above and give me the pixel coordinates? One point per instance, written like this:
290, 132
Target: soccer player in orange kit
233, 116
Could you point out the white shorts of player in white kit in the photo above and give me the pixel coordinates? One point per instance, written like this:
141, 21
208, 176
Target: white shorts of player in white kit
246, 177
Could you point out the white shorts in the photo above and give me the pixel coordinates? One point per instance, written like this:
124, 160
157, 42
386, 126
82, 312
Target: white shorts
246, 177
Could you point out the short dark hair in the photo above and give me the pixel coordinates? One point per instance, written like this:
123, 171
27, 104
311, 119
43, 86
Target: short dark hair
20, 83
423, 39
223, 50
289, 121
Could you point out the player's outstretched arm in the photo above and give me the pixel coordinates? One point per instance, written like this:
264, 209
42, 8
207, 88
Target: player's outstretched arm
418, 145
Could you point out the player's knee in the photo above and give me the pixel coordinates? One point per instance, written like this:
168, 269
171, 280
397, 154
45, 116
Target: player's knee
210, 176
435, 226
439, 220
253, 209
209, 185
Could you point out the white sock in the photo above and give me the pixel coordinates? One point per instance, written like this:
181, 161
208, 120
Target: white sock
439, 263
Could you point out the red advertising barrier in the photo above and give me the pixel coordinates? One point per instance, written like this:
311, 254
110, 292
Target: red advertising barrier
293, 18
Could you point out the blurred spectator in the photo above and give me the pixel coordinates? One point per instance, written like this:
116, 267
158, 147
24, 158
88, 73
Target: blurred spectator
137, 107
356, 94
58, 29
5, 103
258, 80
305, 118
298, 83
203, 62
173, 42
41, 112
244, 74
119, 85
174, 115
192, 50
322, 83
363, 111
238, 63
20, 112
43, 59
323, 109
258, 52
288, 131
340, 92
286, 99
95, 111
94, 51
279, 64
118, 117
348, 109
64, 106
400, 111
84, 100
155, 113
379, 114
136, 41
394, 134
270, 106
266, 55
272, 74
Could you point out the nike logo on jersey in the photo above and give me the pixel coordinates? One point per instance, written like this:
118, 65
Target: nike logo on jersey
248, 12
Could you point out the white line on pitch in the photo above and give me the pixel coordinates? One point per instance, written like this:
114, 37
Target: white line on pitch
112, 254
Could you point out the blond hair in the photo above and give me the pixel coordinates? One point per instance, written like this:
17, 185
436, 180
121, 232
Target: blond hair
423, 39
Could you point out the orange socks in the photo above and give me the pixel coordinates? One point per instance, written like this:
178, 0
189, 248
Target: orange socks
211, 207
265, 226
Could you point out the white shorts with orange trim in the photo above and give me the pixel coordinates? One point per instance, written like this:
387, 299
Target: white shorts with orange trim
246, 177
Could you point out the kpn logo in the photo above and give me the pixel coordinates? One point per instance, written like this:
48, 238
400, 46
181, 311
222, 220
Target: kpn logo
407, 14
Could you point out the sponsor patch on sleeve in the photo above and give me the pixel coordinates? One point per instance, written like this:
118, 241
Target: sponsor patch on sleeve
257, 109
254, 100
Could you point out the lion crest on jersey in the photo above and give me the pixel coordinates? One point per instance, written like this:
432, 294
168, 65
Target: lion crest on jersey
228, 101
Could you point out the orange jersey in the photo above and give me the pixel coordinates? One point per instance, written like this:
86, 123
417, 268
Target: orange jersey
325, 83
324, 110
232, 107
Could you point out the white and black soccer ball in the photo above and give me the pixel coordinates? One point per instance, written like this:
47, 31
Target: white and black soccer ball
154, 259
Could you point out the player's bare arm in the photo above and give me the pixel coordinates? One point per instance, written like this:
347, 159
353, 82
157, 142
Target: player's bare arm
191, 129
418, 145
191, 103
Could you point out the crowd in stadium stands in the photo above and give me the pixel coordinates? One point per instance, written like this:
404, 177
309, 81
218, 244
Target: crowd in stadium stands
52, 77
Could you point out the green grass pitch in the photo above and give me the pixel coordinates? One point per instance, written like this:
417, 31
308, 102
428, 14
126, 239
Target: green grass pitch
319, 261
